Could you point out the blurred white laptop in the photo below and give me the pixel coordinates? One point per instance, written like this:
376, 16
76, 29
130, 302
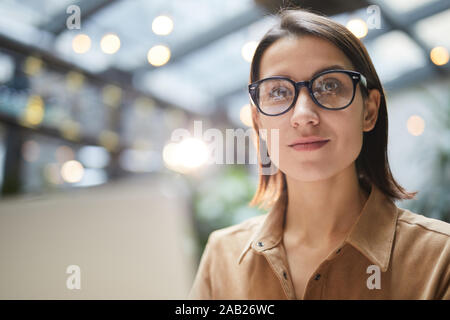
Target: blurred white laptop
131, 239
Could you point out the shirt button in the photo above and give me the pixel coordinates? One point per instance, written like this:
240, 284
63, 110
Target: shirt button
317, 277
260, 244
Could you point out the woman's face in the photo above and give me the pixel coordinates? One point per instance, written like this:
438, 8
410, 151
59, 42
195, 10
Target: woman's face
300, 59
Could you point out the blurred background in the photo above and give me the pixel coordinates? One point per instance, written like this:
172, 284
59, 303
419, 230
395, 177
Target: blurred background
91, 92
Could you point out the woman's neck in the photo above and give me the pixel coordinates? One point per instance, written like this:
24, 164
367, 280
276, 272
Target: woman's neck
321, 213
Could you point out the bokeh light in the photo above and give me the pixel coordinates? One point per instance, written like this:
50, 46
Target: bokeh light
415, 125
81, 43
358, 27
170, 155
246, 115
193, 152
70, 129
34, 111
158, 55
109, 139
110, 43
32, 66
439, 56
111, 95
248, 50
162, 25
74, 80
185, 156
72, 171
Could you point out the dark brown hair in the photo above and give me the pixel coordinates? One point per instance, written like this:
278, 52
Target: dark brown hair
372, 163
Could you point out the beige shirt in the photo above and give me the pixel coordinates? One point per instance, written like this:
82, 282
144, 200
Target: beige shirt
390, 253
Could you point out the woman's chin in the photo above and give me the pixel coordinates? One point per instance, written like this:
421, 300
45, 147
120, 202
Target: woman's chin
307, 175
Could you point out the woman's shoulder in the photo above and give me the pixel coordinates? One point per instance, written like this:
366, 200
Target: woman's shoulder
418, 223
426, 237
237, 235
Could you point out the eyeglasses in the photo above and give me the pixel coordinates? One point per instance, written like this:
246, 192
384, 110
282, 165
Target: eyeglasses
331, 90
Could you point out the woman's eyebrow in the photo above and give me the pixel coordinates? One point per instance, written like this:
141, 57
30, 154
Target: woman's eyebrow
335, 66
332, 67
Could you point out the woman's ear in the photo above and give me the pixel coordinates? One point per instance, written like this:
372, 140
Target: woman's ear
371, 107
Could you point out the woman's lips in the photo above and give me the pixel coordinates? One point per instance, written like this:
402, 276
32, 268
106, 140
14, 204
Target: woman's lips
310, 146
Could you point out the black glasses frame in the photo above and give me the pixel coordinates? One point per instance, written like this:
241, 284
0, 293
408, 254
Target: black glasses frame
355, 76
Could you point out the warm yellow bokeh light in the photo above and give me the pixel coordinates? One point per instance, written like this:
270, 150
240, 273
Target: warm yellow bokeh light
32, 66
81, 43
144, 106
144, 103
109, 139
439, 56
70, 129
246, 115
72, 171
34, 111
358, 27
74, 80
248, 50
415, 125
110, 43
162, 25
158, 55
112, 95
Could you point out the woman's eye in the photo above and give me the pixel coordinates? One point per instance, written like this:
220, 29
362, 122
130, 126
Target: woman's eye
280, 92
329, 86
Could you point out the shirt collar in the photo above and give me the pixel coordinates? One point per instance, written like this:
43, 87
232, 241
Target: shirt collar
372, 234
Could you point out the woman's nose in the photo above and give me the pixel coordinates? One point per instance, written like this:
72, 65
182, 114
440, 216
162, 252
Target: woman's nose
305, 110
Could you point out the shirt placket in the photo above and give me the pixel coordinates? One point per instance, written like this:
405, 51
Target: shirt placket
276, 258
315, 286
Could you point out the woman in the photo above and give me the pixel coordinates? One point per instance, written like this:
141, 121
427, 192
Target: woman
333, 231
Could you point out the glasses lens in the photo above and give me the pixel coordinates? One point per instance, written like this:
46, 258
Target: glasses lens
275, 95
333, 90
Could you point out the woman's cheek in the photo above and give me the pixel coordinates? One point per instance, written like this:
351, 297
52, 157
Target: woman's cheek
271, 133
350, 144
274, 145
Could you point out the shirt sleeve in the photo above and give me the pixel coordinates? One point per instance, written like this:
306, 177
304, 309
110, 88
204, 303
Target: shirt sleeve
201, 288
